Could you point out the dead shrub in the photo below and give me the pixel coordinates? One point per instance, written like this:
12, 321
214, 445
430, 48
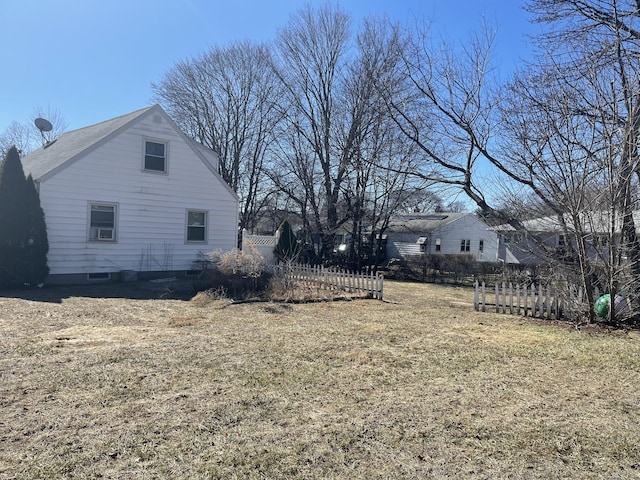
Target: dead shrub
247, 262
236, 274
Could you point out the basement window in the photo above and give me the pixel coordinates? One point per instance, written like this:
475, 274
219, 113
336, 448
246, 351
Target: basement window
99, 276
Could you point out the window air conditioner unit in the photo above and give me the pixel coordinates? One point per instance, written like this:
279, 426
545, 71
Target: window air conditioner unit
105, 234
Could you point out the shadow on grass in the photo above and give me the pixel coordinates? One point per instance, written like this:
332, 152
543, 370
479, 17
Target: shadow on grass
143, 290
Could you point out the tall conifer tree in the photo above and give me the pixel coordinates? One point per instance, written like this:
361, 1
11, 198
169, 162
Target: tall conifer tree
37, 243
23, 236
288, 248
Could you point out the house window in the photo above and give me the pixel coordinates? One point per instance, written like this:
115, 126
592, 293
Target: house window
99, 276
438, 243
422, 241
562, 241
481, 246
155, 156
196, 226
513, 238
102, 222
465, 245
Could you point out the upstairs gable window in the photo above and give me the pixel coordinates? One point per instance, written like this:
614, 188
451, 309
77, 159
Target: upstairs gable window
155, 156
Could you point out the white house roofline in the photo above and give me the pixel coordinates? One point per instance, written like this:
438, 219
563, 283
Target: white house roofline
594, 221
71, 146
423, 222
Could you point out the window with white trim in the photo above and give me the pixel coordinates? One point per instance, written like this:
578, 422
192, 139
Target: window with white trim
102, 222
422, 241
481, 245
155, 156
465, 245
196, 226
438, 244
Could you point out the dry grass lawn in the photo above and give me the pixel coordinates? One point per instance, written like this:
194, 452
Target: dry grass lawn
418, 386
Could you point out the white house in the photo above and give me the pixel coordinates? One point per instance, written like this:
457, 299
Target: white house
441, 233
131, 194
543, 237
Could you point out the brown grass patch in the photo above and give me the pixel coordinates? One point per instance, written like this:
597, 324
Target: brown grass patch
418, 386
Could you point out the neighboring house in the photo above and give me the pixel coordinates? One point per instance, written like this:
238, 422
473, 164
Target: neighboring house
132, 194
441, 233
544, 236
527, 248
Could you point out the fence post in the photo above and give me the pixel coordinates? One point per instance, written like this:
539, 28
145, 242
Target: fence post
533, 300
484, 297
504, 298
510, 298
548, 303
497, 298
540, 302
476, 295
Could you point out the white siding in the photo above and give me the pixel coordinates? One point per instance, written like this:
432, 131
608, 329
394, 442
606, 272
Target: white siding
403, 249
151, 217
468, 228
451, 235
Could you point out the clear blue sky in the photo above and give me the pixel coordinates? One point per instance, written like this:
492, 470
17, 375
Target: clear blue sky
93, 60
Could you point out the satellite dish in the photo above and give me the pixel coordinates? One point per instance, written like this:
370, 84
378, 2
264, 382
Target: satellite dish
43, 125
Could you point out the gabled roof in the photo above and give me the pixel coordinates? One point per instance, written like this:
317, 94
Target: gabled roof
70, 145
420, 223
592, 221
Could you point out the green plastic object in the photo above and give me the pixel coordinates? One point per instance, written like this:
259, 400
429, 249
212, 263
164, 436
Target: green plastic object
601, 306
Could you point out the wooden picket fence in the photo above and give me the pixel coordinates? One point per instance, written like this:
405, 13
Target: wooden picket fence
528, 300
331, 278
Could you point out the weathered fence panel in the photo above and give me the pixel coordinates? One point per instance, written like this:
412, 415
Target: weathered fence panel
527, 300
371, 284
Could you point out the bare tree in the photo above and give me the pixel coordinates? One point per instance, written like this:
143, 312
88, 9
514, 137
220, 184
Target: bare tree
19, 135
337, 133
226, 99
566, 128
447, 106
576, 120
26, 137
312, 58
558, 152
377, 185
